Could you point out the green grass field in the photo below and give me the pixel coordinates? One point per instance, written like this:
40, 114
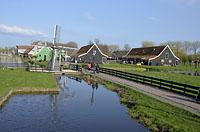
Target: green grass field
19, 78
164, 74
154, 114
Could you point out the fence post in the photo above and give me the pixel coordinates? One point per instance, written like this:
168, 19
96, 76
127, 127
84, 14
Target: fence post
184, 88
198, 95
171, 85
160, 83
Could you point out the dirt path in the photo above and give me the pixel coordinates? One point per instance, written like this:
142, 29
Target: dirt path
165, 96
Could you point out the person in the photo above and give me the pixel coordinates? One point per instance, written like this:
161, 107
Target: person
94, 68
89, 66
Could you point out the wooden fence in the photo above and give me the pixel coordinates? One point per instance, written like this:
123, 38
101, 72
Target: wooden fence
183, 89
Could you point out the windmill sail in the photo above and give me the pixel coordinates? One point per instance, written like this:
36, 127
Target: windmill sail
54, 64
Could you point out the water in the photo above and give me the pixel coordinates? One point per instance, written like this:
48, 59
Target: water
79, 107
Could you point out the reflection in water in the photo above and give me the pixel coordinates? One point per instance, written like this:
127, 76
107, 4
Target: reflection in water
68, 111
53, 104
89, 80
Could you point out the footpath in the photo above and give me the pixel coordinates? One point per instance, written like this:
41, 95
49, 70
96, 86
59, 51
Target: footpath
186, 103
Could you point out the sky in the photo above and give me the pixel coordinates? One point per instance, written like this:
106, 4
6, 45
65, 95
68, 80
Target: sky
111, 21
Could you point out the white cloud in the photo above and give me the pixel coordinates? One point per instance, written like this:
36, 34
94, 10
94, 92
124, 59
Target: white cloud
19, 30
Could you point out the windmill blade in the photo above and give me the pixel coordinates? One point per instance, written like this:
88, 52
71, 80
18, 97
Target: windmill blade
56, 38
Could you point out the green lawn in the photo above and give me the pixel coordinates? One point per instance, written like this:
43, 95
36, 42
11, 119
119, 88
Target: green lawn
174, 68
154, 114
19, 78
165, 74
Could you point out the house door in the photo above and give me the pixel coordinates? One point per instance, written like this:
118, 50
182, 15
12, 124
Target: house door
45, 58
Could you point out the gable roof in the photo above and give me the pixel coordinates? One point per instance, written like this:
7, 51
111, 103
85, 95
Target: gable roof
85, 49
28, 50
74, 53
148, 52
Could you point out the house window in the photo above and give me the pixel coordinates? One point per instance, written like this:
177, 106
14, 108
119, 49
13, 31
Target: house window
94, 52
166, 55
162, 60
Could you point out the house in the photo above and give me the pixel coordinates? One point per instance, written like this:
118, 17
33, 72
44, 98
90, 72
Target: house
90, 54
118, 55
45, 54
6, 51
22, 48
155, 56
27, 51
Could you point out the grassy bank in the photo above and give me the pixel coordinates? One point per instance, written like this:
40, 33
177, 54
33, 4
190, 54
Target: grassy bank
165, 74
11, 79
154, 114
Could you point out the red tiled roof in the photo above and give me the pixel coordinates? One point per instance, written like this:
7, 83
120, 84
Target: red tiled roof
28, 50
146, 52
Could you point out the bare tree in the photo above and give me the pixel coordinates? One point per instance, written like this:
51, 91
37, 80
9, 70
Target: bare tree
195, 46
96, 41
127, 47
187, 46
72, 44
90, 42
104, 48
147, 44
113, 47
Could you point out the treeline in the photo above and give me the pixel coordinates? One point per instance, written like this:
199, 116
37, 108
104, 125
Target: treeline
108, 49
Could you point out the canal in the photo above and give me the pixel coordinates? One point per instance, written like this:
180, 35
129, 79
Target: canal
79, 107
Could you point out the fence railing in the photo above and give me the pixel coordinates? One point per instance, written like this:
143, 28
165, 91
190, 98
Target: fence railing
26, 66
183, 89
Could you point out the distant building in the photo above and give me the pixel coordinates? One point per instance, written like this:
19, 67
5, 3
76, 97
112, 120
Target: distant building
22, 48
155, 56
118, 55
91, 54
6, 51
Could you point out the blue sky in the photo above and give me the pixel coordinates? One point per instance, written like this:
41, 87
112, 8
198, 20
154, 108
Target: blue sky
112, 21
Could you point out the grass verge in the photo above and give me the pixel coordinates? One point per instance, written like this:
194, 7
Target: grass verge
154, 114
13, 79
